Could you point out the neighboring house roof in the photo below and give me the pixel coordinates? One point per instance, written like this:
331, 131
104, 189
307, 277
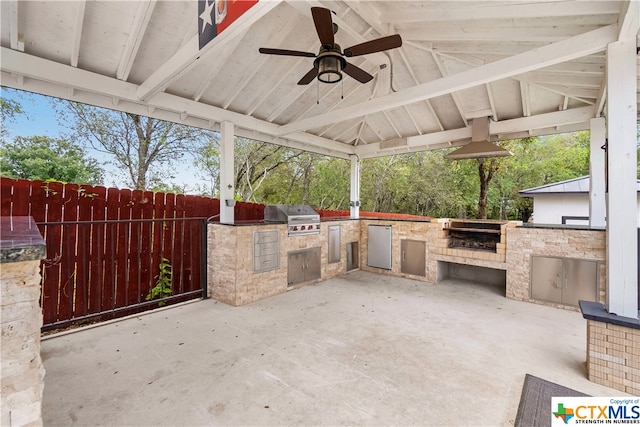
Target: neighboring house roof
570, 186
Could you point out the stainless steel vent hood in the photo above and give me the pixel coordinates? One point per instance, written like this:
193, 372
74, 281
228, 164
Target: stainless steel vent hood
480, 145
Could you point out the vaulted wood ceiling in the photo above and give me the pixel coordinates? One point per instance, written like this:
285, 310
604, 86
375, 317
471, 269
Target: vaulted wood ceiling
534, 67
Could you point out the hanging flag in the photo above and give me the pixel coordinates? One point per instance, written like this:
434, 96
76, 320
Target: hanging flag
216, 15
207, 27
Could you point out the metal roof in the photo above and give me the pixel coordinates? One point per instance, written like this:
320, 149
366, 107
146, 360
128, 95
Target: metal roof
570, 186
533, 66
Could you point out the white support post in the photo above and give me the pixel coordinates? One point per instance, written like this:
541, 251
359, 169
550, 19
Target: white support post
597, 201
227, 189
355, 187
622, 217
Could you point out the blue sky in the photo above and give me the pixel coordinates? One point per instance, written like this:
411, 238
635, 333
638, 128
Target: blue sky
41, 119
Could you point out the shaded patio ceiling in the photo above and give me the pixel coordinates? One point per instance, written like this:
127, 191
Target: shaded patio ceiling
534, 67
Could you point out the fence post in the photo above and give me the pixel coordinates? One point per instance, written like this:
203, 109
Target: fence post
204, 256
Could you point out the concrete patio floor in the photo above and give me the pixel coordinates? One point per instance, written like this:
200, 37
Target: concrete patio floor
362, 349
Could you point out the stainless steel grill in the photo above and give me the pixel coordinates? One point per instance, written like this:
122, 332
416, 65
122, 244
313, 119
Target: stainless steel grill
301, 219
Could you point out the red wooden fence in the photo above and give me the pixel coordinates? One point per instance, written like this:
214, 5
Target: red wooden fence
105, 245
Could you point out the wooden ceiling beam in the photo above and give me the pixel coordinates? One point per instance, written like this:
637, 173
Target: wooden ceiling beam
453, 12
77, 32
138, 28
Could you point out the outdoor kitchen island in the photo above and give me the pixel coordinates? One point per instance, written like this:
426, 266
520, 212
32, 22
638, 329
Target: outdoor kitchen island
546, 265
249, 262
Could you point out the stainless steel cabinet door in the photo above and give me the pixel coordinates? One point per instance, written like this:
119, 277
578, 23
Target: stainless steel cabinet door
546, 278
413, 257
580, 281
334, 243
313, 269
379, 246
295, 268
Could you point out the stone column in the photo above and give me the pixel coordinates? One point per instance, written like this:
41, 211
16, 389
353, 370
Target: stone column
22, 371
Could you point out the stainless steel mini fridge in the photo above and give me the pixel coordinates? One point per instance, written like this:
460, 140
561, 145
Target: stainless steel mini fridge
379, 246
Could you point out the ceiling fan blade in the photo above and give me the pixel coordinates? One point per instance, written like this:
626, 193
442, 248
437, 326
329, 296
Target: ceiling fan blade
372, 46
308, 78
286, 52
324, 25
357, 73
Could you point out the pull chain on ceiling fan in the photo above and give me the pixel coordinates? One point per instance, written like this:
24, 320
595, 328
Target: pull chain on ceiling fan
330, 61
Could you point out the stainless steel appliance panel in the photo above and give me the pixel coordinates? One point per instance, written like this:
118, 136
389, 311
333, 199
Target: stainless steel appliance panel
413, 257
580, 281
295, 268
379, 246
546, 278
313, 265
334, 243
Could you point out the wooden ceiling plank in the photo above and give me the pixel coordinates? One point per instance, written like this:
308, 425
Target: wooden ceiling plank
532, 34
565, 93
572, 48
414, 77
484, 11
215, 68
456, 97
138, 29
185, 57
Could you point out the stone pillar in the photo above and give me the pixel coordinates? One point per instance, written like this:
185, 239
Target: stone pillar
22, 371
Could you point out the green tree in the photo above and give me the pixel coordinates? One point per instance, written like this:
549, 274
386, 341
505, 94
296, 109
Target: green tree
41, 157
144, 147
9, 109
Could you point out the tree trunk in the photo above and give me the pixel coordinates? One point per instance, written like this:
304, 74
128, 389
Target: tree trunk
485, 173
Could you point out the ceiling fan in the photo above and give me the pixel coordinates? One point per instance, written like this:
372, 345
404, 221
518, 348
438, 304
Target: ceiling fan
330, 61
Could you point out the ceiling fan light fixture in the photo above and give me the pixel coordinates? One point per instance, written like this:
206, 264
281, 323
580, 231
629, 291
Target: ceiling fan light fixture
329, 70
330, 66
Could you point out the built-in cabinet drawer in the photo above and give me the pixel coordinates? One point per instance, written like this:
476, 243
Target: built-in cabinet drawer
564, 280
413, 257
266, 250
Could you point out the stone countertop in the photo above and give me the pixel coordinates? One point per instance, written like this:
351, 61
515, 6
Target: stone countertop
596, 311
20, 240
562, 227
254, 222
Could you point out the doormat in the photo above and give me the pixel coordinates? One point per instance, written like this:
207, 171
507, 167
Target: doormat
534, 409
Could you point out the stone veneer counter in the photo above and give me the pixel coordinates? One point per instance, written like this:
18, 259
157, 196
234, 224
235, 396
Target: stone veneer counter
20, 240
560, 241
22, 371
